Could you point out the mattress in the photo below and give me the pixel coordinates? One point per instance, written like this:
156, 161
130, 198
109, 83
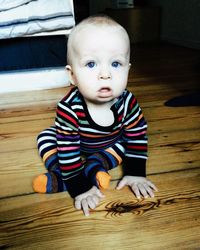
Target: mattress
33, 43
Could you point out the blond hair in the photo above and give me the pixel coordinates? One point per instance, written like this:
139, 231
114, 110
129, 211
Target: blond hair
97, 21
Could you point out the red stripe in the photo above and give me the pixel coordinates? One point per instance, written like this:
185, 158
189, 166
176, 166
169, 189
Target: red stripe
80, 114
67, 168
66, 116
137, 147
120, 118
132, 103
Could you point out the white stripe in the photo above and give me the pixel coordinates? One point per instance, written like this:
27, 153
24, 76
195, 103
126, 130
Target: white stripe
137, 128
64, 128
67, 109
44, 146
137, 141
126, 103
49, 131
136, 156
120, 147
77, 107
132, 118
47, 138
67, 142
121, 107
71, 96
68, 161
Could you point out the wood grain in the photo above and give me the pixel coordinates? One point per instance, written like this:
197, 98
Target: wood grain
169, 221
50, 221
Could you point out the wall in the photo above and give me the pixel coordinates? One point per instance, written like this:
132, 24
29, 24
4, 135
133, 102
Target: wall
99, 6
179, 22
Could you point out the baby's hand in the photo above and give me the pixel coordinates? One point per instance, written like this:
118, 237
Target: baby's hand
139, 185
89, 199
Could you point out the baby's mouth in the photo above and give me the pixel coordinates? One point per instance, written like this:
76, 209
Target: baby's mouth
105, 92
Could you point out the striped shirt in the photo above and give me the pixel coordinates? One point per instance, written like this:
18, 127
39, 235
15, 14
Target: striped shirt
82, 143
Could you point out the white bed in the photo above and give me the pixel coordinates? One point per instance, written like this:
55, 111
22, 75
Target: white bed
37, 18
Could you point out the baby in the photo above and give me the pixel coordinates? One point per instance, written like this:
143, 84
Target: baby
99, 123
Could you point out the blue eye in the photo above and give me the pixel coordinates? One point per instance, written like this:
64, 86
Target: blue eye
91, 64
116, 64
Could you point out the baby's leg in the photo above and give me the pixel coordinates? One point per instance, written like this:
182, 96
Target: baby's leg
47, 148
50, 182
97, 173
98, 176
97, 167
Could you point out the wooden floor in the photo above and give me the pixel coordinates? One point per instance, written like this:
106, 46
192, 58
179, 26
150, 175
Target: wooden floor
169, 221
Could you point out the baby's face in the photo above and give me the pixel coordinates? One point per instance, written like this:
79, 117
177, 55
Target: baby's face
100, 63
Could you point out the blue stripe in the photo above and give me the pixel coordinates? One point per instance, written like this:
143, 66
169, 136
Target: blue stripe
33, 19
68, 154
49, 183
50, 160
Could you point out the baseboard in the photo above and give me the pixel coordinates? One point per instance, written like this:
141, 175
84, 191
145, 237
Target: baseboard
18, 81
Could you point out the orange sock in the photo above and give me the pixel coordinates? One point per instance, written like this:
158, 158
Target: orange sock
40, 184
103, 179
50, 182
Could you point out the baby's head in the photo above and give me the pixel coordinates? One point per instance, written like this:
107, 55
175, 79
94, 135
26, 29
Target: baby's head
96, 24
98, 58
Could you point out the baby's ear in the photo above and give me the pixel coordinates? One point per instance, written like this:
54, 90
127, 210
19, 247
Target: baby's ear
70, 75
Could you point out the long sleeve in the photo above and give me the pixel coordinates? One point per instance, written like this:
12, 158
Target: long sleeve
68, 150
135, 140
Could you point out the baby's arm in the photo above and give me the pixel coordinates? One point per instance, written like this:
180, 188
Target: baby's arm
87, 200
139, 185
135, 141
68, 150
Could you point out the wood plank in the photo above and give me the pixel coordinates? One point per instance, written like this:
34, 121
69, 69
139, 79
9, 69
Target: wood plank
50, 221
31, 98
17, 175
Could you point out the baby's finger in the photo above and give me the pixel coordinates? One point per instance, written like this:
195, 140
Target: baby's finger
90, 202
77, 204
152, 185
96, 200
149, 190
142, 190
99, 194
121, 184
136, 191
85, 207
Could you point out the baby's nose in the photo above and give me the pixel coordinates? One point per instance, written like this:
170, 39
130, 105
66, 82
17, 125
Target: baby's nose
104, 73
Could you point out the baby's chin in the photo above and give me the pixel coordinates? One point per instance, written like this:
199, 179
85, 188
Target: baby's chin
101, 101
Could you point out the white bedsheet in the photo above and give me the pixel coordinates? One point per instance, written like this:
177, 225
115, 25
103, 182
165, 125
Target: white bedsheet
35, 17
